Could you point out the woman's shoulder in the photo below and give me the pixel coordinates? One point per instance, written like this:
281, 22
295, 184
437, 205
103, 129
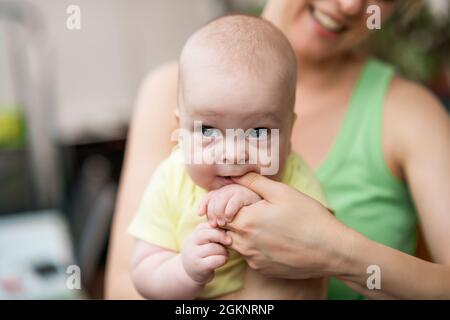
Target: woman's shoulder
411, 103
413, 117
404, 90
164, 77
156, 103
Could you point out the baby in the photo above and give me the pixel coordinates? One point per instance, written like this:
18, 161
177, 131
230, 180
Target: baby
237, 74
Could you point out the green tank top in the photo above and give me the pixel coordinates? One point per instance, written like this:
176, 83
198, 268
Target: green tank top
357, 182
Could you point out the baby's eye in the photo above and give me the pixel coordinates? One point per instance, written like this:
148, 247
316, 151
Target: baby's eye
258, 133
210, 132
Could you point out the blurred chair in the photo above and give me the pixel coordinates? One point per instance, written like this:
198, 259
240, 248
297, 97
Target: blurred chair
90, 214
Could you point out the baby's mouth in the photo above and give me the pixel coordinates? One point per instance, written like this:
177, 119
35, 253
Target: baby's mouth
225, 179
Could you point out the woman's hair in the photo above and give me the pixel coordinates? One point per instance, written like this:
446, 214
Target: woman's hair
404, 13
409, 8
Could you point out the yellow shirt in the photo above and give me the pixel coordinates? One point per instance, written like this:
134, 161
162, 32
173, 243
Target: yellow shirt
168, 213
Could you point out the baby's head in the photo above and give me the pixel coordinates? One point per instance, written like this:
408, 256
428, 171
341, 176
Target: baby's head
239, 73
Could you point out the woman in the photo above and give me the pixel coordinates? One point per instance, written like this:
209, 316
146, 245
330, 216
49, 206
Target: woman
379, 145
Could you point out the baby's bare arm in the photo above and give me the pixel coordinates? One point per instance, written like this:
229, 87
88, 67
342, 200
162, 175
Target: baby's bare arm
158, 273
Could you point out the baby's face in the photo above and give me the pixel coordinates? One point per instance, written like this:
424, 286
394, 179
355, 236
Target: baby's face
214, 106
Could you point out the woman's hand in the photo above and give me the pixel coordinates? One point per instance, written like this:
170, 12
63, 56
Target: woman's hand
288, 234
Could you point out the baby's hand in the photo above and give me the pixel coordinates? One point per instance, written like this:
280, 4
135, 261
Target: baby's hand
203, 252
223, 204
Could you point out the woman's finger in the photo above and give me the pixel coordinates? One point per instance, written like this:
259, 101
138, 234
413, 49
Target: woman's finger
268, 189
237, 242
243, 220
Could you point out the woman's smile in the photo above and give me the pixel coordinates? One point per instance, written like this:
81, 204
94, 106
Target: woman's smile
326, 24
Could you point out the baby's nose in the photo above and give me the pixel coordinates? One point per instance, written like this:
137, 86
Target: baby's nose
235, 153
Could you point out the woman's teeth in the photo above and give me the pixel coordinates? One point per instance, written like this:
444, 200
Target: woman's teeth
326, 21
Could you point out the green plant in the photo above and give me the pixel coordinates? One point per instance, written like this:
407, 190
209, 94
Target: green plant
419, 48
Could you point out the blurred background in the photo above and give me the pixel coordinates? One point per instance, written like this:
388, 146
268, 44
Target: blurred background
66, 97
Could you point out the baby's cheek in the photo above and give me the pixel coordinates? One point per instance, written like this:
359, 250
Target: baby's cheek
275, 157
202, 175
267, 156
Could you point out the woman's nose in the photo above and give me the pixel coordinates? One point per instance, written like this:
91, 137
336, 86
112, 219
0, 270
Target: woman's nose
351, 7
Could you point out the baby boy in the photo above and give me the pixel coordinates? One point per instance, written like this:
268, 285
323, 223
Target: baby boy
236, 94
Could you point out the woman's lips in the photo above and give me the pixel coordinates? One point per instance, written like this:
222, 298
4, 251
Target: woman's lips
325, 24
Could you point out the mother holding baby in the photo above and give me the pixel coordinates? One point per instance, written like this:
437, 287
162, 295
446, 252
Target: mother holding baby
379, 145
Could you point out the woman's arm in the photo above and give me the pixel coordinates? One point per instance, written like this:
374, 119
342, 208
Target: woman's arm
402, 276
148, 143
418, 136
319, 245
417, 132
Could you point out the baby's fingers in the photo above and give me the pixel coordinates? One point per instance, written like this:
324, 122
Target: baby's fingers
212, 235
214, 262
212, 249
233, 206
203, 206
216, 209
213, 212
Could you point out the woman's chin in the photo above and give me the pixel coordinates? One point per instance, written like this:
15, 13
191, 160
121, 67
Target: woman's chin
312, 48
314, 51
313, 43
